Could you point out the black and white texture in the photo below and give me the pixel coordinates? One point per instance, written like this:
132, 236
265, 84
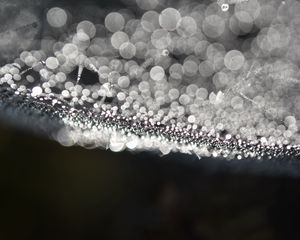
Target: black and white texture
219, 78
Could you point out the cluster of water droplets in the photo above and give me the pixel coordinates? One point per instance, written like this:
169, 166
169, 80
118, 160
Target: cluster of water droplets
216, 79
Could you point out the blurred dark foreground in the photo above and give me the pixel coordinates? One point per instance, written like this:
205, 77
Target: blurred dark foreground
52, 192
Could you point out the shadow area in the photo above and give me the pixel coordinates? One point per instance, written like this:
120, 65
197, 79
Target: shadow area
52, 192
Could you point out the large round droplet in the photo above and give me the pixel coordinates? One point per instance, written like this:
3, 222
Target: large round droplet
127, 50
118, 38
234, 60
169, 19
157, 73
187, 27
52, 63
57, 17
87, 27
213, 26
114, 22
70, 50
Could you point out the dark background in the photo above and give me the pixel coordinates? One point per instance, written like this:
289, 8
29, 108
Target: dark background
51, 192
